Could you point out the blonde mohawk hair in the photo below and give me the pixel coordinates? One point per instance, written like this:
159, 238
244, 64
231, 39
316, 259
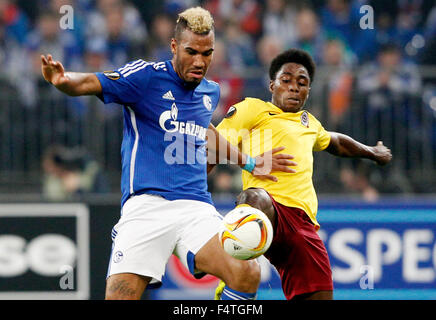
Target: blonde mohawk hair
197, 19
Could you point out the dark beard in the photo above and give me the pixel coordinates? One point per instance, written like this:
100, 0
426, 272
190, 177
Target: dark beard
191, 85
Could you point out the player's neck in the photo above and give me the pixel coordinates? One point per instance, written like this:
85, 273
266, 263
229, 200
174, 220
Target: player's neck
188, 85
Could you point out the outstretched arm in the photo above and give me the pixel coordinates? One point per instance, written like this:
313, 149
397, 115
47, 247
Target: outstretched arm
71, 83
219, 148
344, 146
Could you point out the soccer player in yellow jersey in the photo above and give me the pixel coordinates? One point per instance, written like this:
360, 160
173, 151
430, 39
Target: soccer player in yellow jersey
254, 125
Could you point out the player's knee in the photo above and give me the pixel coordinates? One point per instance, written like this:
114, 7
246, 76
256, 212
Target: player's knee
258, 198
245, 276
125, 287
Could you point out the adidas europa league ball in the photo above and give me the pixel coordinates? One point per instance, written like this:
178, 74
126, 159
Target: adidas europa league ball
246, 233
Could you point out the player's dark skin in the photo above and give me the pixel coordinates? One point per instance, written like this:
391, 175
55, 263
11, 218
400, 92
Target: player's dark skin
290, 90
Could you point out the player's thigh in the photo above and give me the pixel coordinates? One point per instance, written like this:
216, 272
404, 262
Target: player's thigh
260, 199
198, 223
144, 238
125, 286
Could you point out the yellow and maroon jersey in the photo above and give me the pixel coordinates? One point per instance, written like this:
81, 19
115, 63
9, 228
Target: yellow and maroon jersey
256, 126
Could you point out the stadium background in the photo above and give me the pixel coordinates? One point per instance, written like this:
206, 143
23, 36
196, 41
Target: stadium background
60, 159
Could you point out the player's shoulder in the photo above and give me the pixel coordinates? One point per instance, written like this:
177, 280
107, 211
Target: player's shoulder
142, 67
209, 85
252, 104
247, 108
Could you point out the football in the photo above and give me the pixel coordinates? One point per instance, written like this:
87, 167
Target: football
246, 233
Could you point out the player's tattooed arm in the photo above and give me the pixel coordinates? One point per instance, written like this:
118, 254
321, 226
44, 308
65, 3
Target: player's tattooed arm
71, 83
220, 149
344, 146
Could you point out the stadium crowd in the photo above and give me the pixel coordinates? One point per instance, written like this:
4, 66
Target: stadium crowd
381, 65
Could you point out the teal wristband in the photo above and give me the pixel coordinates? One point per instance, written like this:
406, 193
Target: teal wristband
250, 165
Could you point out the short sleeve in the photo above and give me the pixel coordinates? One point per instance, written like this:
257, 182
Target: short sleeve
125, 85
238, 122
322, 139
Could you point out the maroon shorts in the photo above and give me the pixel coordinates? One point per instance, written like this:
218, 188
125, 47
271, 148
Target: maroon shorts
298, 253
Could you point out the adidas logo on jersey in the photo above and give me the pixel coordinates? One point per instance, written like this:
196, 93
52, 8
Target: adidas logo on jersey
168, 96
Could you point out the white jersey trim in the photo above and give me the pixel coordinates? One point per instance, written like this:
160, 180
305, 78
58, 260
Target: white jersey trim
130, 66
137, 67
135, 148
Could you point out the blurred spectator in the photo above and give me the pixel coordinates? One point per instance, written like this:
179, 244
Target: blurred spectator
224, 182
390, 99
14, 21
408, 19
341, 18
267, 48
336, 19
389, 88
355, 180
71, 173
118, 44
132, 26
388, 80
427, 55
173, 7
14, 64
338, 81
279, 20
162, 30
245, 13
240, 47
75, 35
386, 30
310, 35
96, 56
231, 84
48, 37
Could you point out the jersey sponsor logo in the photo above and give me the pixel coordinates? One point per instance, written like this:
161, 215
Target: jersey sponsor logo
113, 75
168, 122
230, 112
305, 119
207, 101
168, 95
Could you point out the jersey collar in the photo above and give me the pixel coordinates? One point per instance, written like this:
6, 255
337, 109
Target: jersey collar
280, 111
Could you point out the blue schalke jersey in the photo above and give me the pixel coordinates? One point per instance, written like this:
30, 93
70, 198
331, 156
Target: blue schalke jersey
165, 122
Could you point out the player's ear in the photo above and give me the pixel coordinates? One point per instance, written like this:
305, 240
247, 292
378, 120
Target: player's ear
271, 86
173, 46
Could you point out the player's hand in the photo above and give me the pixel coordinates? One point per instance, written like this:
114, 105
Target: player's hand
270, 161
53, 71
382, 154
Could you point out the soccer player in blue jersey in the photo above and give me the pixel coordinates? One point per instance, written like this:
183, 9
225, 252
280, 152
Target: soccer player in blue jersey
166, 208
